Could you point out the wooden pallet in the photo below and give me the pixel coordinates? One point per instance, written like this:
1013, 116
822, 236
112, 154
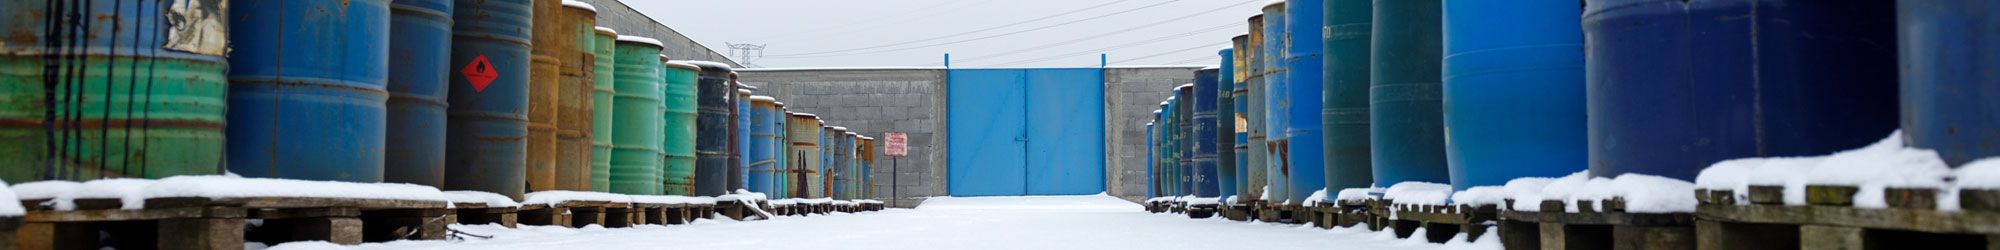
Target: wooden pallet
1829, 220
1273, 213
1440, 222
1202, 211
220, 223
740, 211
1236, 212
480, 214
1591, 227
573, 213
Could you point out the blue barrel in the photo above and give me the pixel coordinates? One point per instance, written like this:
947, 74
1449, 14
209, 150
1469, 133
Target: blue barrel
307, 97
1164, 169
837, 171
826, 161
739, 171
1253, 82
1344, 111
763, 146
1184, 148
781, 148
1152, 179
1228, 160
1675, 86
487, 124
420, 35
1951, 102
1204, 133
1237, 73
712, 125
1407, 115
1277, 105
1305, 19
1513, 91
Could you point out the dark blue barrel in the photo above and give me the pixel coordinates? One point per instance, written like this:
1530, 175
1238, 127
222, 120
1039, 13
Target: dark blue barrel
1184, 135
1674, 86
1164, 169
826, 161
1228, 160
1236, 71
712, 125
307, 97
843, 148
420, 35
1951, 99
1253, 82
1152, 179
763, 148
1513, 91
1344, 111
1277, 103
487, 120
1204, 133
1305, 20
1406, 96
1176, 183
739, 171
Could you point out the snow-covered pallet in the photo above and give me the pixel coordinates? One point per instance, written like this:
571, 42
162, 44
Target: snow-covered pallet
1236, 212
1440, 222
1594, 226
1830, 220
1338, 214
741, 209
575, 213
219, 223
1276, 213
479, 213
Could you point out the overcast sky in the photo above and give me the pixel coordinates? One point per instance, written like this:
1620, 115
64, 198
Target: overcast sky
977, 33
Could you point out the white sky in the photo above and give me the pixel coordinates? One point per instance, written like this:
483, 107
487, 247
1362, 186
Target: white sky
1155, 33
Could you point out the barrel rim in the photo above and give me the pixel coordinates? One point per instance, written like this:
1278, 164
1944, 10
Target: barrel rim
641, 40
607, 31
681, 65
706, 64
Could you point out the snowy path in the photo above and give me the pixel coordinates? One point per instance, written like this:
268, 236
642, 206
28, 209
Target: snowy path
1065, 222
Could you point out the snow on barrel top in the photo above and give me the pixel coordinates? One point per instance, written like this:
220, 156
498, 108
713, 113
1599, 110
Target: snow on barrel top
579, 5
642, 40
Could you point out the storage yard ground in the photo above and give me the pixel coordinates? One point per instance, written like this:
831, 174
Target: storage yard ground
1043, 222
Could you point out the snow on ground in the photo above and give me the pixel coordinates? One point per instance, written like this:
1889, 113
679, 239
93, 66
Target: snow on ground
1047, 222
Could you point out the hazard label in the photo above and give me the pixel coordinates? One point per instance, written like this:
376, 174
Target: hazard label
480, 73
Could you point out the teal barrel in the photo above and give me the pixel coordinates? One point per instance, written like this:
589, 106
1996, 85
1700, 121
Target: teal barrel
487, 123
1306, 69
420, 34
1277, 107
1407, 108
1203, 137
739, 155
1152, 180
635, 117
1676, 86
1239, 118
112, 95
1253, 82
678, 138
1226, 159
307, 89
712, 125
781, 148
1951, 98
826, 161
1513, 91
1344, 115
604, 88
763, 135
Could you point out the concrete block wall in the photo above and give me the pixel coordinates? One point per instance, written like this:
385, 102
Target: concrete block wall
618, 16
872, 102
1131, 95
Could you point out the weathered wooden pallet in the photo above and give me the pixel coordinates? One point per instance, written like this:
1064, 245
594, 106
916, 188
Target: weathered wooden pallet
1202, 211
740, 211
572, 213
1829, 220
1592, 227
1440, 222
1236, 212
480, 214
220, 223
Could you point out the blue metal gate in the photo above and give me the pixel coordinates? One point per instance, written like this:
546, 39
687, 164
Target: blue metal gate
1025, 132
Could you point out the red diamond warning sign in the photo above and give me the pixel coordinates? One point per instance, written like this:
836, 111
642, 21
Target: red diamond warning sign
480, 73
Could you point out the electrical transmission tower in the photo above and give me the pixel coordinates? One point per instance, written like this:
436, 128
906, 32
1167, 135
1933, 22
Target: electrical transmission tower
746, 52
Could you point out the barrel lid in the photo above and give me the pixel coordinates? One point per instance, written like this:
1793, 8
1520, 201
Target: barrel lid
606, 30
579, 5
1169, 99
807, 115
707, 64
641, 40
1190, 85
852, 134
743, 86
1274, 3
1156, 111
759, 98
1259, 18
1213, 67
742, 91
790, 113
839, 128
1245, 36
682, 65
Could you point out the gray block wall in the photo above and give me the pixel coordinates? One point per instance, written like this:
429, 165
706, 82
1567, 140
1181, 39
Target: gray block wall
1131, 95
618, 16
873, 102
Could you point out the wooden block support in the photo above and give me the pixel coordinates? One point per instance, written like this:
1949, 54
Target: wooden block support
404, 224
1653, 237
1716, 235
1520, 235
338, 230
1813, 237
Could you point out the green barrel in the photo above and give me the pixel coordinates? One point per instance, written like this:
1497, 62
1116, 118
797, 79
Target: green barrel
1406, 89
679, 126
145, 99
605, 47
635, 151
1344, 115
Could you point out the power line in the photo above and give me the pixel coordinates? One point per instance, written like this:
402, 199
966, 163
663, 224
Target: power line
1173, 53
1127, 30
1173, 37
930, 11
992, 36
1193, 60
964, 33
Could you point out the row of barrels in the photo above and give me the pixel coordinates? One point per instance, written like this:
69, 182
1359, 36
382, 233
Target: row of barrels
502, 96
1342, 94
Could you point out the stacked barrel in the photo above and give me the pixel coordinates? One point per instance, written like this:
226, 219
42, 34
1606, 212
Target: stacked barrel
500, 96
